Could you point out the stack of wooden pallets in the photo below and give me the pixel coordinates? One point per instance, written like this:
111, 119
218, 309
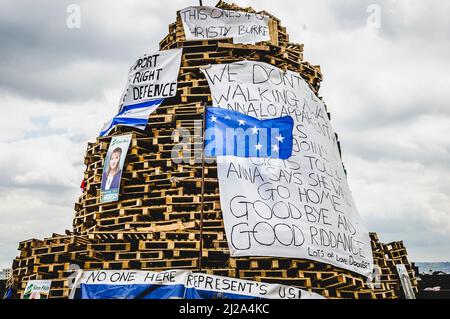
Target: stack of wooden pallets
156, 223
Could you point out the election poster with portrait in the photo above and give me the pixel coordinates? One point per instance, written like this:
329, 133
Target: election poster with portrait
113, 168
300, 207
152, 79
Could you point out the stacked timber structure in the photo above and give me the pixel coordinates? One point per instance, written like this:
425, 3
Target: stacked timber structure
156, 223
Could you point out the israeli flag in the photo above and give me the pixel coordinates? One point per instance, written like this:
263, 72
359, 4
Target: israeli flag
230, 133
129, 284
132, 115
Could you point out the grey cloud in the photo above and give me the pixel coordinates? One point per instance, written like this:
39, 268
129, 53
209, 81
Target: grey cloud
396, 144
421, 241
34, 222
41, 57
401, 20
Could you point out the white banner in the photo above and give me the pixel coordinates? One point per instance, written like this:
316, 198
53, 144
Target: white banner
107, 283
298, 208
215, 23
233, 286
153, 76
133, 277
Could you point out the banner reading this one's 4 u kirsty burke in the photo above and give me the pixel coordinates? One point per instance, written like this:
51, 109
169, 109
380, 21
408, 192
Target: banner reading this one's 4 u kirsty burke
300, 207
113, 168
216, 23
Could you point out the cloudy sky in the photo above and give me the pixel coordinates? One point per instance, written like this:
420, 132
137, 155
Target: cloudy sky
386, 76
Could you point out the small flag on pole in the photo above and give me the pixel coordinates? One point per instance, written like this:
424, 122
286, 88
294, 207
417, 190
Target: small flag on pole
230, 133
132, 115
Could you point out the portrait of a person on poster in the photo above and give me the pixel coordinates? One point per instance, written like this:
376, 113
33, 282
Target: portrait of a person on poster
113, 168
111, 176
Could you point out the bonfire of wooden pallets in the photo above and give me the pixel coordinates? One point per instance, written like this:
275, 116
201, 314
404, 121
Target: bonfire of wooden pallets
156, 223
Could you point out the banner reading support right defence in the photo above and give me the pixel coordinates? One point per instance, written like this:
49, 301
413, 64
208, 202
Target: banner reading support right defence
301, 207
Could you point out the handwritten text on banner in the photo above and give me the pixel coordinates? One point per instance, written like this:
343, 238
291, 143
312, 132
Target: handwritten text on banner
153, 76
301, 207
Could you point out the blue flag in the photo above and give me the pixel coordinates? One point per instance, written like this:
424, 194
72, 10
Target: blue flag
236, 134
133, 291
9, 294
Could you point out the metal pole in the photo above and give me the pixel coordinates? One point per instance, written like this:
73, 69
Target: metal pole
200, 257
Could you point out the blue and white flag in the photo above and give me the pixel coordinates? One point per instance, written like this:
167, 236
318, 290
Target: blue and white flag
230, 133
132, 115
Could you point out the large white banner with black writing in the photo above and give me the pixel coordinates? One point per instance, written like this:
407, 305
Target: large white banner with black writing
176, 284
152, 77
301, 207
216, 23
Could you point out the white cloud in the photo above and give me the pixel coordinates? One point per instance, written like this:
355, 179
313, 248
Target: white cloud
404, 201
29, 214
39, 183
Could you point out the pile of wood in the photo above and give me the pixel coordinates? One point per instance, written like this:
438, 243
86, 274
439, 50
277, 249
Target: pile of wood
156, 223
176, 246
